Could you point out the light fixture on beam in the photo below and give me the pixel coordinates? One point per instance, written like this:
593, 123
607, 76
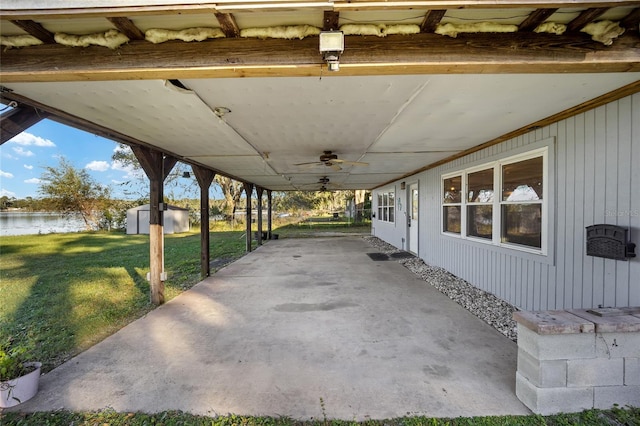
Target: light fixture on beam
331, 47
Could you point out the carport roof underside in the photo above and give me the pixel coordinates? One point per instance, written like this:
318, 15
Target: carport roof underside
253, 108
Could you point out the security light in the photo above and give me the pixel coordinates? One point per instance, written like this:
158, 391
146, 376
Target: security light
331, 47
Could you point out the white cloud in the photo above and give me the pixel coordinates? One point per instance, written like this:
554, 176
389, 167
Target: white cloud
131, 172
33, 180
5, 193
98, 166
22, 152
27, 139
28, 167
5, 174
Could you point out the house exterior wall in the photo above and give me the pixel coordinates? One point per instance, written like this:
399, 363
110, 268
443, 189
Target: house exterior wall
594, 177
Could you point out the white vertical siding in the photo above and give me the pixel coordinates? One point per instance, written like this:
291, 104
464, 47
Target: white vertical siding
595, 178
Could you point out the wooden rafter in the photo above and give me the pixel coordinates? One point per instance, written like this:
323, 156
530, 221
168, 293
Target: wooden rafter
520, 52
536, 18
330, 20
36, 30
228, 24
632, 20
431, 20
17, 120
126, 27
585, 17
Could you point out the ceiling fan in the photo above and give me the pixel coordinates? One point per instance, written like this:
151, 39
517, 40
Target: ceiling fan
330, 159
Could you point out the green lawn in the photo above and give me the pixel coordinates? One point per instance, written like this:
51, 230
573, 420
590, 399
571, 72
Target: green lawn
62, 293
617, 417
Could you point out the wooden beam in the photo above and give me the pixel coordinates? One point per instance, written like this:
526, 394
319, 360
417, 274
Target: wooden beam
632, 20
204, 178
536, 18
431, 20
228, 24
248, 190
417, 54
330, 21
17, 120
585, 18
613, 96
126, 27
36, 30
259, 192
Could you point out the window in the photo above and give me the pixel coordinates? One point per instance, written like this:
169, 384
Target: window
386, 206
451, 204
480, 204
521, 204
515, 217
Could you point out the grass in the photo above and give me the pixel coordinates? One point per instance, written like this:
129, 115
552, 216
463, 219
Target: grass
616, 416
313, 226
62, 293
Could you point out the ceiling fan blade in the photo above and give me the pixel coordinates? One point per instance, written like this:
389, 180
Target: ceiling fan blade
306, 164
336, 167
355, 163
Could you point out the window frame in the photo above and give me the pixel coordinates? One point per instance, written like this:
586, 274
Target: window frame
386, 207
497, 165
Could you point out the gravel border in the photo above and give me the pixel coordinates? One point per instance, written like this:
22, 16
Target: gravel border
484, 305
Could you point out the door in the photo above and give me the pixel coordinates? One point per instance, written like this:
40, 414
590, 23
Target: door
413, 222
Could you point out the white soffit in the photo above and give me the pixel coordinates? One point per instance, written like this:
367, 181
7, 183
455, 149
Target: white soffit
149, 110
306, 115
456, 112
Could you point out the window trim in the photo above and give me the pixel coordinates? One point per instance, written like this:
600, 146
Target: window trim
497, 204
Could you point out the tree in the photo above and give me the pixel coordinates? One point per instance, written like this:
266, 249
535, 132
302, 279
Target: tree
73, 191
125, 159
232, 191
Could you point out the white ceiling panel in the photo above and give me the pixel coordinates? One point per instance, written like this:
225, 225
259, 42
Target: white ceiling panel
304, 116
151, 111
441, 115
397, 124
395, 163
299, 17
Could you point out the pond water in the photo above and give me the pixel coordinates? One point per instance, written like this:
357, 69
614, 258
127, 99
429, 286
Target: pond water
25, 223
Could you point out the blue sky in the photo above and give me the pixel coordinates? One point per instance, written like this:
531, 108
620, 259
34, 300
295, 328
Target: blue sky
23, 159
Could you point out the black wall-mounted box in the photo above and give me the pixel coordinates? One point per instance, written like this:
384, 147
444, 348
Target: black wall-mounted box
609, 241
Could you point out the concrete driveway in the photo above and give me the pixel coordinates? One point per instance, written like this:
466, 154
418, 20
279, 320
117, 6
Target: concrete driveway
300, 328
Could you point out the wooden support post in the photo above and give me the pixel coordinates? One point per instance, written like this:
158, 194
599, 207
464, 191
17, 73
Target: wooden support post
248, 189
204, 178
157, 167
259, 208
269, 221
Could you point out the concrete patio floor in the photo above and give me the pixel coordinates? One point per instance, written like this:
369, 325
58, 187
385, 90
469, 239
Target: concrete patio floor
300, 328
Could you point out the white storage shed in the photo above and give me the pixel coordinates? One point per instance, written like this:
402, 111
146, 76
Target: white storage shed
176, 220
